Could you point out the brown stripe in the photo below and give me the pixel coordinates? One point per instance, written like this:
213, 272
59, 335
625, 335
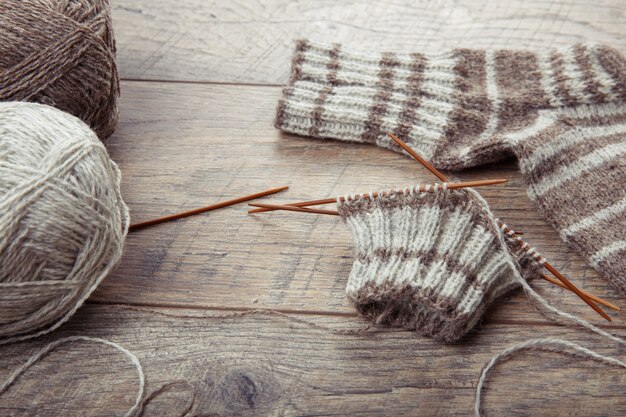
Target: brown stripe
428, 258
519, 86
560, 77
409, 111
615, 65
613, 266
409, 308
583, 195
593, 118
545, 136
470, 116
552, 164
592, 86
452, 200
425, 311
296, 62
384, 88
594, 238
296, 74
331, 78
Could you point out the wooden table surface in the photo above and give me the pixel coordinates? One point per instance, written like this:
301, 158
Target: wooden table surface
250, 311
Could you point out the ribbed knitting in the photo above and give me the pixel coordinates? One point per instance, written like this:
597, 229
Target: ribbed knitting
450, 107
465, 107
430, 261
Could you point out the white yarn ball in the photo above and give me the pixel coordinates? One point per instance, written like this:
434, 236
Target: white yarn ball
62, 218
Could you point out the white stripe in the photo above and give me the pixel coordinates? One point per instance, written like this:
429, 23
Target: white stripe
565, 141
596, 218
575, 80
576, 168
548, 83
602, 77
606, 251
542, 122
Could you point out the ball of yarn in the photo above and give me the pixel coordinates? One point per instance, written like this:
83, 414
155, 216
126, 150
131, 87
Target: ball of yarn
62, 218
61, 53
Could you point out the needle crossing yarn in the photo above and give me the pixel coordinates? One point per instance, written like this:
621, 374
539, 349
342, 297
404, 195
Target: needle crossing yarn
432, 260
61, 53
62, 218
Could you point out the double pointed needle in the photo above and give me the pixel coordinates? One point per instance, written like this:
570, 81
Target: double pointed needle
593, 297
549, 267
176, 216
450, 186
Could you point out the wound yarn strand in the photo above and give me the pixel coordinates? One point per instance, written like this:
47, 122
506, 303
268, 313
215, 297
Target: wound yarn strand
63, 221
61, 53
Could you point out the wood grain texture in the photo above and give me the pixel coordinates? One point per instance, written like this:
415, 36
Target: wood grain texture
262, 364
192, 298
245, 41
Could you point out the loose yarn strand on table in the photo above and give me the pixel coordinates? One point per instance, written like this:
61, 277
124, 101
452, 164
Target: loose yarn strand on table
546, 344
134, 409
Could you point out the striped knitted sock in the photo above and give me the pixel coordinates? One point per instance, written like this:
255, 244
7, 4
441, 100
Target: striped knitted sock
453, 107
430, 261
575, 164
466, 107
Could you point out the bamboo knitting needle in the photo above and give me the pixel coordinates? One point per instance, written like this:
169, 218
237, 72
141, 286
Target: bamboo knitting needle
450, 185
137, 226
293, 208
593, 297
334, 213
549, 267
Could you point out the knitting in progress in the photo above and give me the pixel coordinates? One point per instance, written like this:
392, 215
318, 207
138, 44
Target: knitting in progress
61, 53
62, 218
465, 107
430, 261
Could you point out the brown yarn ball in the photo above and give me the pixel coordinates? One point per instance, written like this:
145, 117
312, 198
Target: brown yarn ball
61, 53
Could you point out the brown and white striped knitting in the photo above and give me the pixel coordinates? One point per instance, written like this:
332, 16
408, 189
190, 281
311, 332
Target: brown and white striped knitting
430, 261
465, 107
575, 164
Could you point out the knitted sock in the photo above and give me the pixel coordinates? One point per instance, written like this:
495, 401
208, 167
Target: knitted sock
430, 261
575, 164
453, 107
466, 107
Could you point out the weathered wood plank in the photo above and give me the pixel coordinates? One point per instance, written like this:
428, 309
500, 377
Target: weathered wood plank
183, 146
251, 42
267, 365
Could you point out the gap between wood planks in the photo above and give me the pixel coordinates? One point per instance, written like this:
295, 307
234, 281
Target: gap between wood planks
179, 306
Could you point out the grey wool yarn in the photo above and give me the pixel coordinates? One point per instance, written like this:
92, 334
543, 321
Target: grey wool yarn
62, 218
61, 53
